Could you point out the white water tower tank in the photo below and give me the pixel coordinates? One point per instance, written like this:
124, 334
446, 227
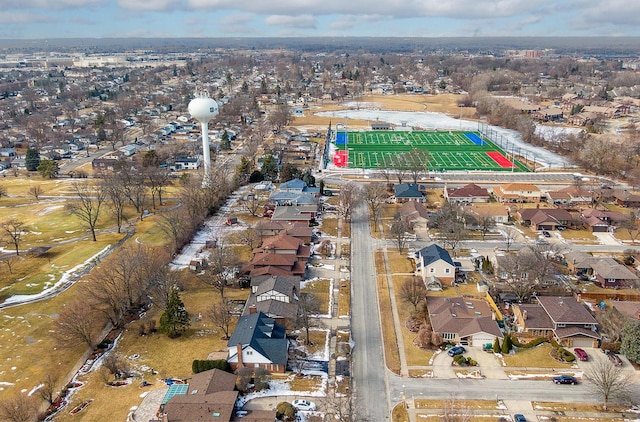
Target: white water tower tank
202, 108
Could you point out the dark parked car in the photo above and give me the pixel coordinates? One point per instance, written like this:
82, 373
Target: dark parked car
546, 233
458, 350
581, 354
565, 379
615, 359
519, 418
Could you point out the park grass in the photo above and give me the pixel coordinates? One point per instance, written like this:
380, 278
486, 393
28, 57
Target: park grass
344, 298
535, 357
321, 290
31, 274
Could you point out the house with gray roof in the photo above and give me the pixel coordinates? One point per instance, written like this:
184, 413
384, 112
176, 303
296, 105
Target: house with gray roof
434, 261
258, 341
405, 192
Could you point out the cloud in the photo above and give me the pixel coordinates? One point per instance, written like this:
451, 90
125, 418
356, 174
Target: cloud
236, 19
22, 17
151, 5
47, 4
301, 21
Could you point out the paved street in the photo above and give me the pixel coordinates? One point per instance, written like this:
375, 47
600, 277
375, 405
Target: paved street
369, 370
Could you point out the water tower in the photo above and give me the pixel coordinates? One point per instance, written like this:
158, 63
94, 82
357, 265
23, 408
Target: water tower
203, 108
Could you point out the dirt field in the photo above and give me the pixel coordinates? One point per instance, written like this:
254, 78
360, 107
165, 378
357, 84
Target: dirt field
446, 103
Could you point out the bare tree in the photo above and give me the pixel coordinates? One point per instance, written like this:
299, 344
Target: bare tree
609, 382
48, 392
308, 308
349, 197
116, 196
78, 323
20, 408
510, 235
413, 291
455, 411
374, 196
86, 204
10, 261
220, 268
157, 179
13, 231
220, 315
175, 224
161, 286
250, 237
632, 226
399, 229
252, 203
3, 191
35, 191
485, 223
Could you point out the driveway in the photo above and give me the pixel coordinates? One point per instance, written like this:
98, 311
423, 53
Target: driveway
442, 367
488, 363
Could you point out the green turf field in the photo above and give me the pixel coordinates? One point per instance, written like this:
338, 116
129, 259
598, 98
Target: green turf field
448, 150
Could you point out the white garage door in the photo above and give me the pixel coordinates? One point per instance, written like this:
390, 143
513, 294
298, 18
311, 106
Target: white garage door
582, 343
481, 339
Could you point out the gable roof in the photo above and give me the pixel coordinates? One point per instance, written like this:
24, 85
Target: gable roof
461, 315
613, 270
468, 191
432, 253
407, 190
262, 334
281, 241
414, 210
566, 309
294, 184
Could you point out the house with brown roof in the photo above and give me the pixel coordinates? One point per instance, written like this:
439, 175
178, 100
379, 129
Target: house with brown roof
271, 263
571, 195
613, 275
544, 218
210, 395
284, 244
628, 309
570, 322
415, 213
517, 192
497, 212
627, 199
600, 221
467, 194
461, 320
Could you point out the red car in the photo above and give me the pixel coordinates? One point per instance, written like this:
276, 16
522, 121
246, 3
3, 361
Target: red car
581, 354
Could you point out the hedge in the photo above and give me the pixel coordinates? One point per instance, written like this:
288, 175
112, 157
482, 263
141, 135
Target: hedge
530, 344
198, 366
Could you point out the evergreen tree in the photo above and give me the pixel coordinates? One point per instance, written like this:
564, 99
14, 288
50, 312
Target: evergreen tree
225, 143
630, 346
496, 345
269, 167
32, 159
506, 344
175, 319
48, 169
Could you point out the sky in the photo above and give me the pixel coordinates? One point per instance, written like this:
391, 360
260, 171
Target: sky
47, 19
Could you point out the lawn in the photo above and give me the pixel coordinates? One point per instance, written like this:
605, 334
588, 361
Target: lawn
321, 290
329, 226
463, 404
535, 357
391, 352
344, 298
399, 263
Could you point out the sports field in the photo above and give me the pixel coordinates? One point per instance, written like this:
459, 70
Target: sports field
448, 150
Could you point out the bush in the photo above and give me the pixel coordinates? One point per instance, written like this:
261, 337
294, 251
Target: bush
533, 343
285, 411
198, 366
611, 346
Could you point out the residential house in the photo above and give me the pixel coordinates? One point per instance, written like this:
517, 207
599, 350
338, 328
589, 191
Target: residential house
612, 274
104, 164
549, 114
435, 262
405, 192
497, 212
293, 198
628, 309
517, 192
415, 214
590, 217
282, 243
295, 213
185, 163
467, 194
627, 199
544, 218
268, 228
461, 320
275, 296
572, 195
258, 341
570, 322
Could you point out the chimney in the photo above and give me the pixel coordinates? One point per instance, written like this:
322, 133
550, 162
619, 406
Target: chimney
239, 349
252, 309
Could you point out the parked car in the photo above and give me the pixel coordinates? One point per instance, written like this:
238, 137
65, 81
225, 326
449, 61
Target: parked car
581, 354
302, 404
458, 350
519, 418
615, 359
565, 379
546, 233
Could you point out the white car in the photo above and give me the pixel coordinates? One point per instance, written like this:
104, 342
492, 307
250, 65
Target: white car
302, 404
